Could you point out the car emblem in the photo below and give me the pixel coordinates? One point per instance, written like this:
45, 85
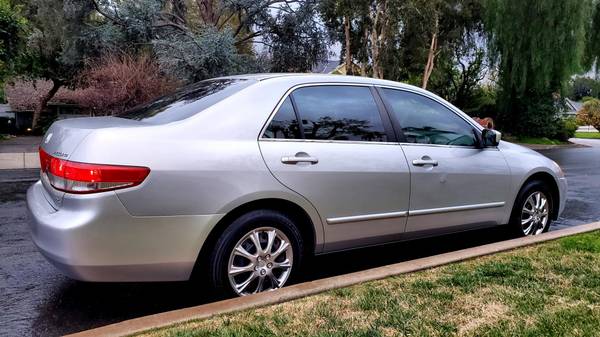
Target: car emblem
48, 138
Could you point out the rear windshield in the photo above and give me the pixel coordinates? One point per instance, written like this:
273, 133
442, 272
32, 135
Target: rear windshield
186, 102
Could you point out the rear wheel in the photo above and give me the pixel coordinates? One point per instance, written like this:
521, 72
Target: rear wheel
260, 251
533, 208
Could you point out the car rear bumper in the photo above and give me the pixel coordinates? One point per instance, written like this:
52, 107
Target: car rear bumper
94, 238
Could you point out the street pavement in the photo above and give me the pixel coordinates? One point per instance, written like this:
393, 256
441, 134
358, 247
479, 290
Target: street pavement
36, 300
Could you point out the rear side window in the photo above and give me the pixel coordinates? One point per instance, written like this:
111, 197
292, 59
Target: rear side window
426, 121
187, 102
284, 124
339, 113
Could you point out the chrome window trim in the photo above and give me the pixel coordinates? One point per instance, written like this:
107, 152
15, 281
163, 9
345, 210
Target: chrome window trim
326, 141
366, 217
452, 146
391, 215
303, 85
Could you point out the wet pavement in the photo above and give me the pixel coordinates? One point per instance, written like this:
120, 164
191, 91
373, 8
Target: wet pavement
36, 300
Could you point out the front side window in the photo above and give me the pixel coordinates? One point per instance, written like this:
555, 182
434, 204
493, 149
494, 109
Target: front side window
284, 125
426, 121
339, 113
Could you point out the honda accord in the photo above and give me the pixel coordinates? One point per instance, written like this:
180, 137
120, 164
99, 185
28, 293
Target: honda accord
237, 180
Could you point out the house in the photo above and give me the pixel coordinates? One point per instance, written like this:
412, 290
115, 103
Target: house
335, 68
7, 119
571, 108
325, 67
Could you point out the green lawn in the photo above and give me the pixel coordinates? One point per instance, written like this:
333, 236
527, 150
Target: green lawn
532, 140
588, 135
552, 289
539, 140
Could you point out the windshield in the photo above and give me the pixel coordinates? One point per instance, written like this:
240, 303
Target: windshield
186, 102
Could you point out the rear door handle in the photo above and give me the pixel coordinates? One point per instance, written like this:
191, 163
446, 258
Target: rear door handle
425, 161
299, 158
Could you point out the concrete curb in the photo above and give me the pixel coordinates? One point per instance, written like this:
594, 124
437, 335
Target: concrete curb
19, 160
314, 287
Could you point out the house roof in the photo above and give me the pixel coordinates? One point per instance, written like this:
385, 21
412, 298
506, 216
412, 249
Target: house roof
325, 67
5, 108
573, 106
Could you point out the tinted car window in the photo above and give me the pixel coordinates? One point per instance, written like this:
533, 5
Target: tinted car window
423, 120
186, 102
339, 113
284, 124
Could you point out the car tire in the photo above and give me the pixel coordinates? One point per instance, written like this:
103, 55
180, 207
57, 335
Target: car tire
528, 207
227, 268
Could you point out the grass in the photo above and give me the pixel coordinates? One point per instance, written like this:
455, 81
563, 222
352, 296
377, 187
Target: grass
587, 135
552, 289
539, 140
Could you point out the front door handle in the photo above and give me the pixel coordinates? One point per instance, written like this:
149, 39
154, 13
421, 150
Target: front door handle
425, 160
300, 157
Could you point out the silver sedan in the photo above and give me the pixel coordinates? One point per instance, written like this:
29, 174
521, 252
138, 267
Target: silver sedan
237, 180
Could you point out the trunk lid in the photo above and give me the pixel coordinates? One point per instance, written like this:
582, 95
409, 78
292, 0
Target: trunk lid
64, 136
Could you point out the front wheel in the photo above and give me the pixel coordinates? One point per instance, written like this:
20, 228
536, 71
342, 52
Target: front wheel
532, 213
259, 251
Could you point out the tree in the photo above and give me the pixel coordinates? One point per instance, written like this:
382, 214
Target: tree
459, 76
590, 113
13, 27
535, 61
295, 41
581, 87
592, 50
367, 27
54, 48
342, 20
208, 38
435, 31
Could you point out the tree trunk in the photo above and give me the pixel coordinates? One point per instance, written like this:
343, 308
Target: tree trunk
348, 51
375, 42
378, 17
431, 55
56, 84
207, 12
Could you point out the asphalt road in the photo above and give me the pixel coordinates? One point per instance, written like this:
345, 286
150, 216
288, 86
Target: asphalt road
37, 300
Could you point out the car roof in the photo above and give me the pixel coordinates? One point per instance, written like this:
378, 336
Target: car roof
313, 77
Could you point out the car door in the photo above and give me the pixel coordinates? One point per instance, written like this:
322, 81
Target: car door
454, 182
344, 159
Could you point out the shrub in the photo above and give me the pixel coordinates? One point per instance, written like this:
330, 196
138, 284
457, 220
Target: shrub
118, 83
567, 128
590, 113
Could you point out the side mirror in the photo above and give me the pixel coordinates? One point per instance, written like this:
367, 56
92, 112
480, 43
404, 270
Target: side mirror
490, 138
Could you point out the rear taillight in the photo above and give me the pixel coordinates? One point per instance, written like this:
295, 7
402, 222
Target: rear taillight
74, 177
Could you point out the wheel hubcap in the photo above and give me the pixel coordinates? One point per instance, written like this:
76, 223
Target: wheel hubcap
262, 260
534, 216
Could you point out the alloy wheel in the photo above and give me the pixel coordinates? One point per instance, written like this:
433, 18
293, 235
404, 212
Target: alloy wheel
535, 214
260, 261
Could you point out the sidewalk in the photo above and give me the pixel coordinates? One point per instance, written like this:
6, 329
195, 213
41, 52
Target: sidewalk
19, 153
586, 142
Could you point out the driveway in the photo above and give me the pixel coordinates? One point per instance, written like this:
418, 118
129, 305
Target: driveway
37, 300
